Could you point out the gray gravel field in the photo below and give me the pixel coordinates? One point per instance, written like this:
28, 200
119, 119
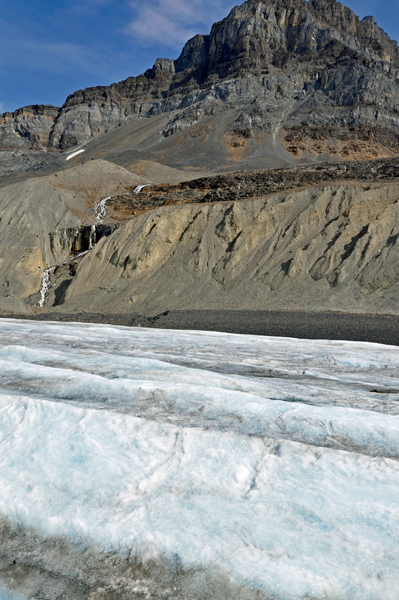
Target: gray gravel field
381, 329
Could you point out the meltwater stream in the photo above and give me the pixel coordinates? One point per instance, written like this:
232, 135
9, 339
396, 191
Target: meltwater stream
139, 462
46, 280
45, 285
100, 210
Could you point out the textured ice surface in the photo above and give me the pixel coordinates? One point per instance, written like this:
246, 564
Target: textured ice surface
6, 595
271, 461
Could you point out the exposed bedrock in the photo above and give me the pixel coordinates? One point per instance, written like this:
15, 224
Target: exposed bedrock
316, 58
78, 239
27, 126
68, 246
284, 62
332, 247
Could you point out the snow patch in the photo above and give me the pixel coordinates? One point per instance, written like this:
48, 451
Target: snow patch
74, 154
139, 188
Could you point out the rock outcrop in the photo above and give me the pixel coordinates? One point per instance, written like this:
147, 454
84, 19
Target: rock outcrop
310, 74
28, 126
250, 185
285, 61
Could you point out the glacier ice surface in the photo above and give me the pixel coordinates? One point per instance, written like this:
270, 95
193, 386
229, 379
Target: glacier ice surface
271, 461
6, 595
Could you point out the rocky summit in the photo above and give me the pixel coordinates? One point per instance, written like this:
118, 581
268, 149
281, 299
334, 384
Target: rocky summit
287, 79
280, 132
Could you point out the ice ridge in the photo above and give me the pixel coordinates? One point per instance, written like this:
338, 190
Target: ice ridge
164, 466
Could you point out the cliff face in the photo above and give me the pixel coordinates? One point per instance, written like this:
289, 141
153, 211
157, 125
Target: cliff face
286, 63
30, 125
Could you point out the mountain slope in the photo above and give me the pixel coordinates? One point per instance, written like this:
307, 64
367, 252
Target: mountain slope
278, 79
39, 219
277, 83
327, 247
305, 56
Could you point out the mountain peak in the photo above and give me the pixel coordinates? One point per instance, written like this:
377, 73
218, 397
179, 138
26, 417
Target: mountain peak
316, 60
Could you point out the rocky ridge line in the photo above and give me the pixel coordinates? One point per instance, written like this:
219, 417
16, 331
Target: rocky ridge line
291, 61
243, 186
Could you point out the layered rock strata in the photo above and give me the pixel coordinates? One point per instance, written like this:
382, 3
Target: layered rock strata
29, 126
247, 186
288, 64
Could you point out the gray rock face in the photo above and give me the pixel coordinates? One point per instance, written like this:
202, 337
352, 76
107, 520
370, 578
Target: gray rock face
316, 61
286, 63
28, 126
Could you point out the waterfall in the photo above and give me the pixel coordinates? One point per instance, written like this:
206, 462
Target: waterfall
67, 262
100, 210
46, 280
138, 189
45, 285
85, 238
92, 235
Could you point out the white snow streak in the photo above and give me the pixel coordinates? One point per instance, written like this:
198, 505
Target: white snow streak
138, 189
74, 154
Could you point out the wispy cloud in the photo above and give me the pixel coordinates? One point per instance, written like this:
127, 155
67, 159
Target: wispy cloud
172, 22
61, 57
53, 57
2, 107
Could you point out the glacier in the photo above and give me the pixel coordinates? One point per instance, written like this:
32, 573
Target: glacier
5, 595
147, 463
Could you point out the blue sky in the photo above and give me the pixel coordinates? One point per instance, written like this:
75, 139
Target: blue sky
50, 48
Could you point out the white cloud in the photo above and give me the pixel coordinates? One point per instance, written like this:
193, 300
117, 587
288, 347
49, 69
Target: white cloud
172, 22
2, 107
